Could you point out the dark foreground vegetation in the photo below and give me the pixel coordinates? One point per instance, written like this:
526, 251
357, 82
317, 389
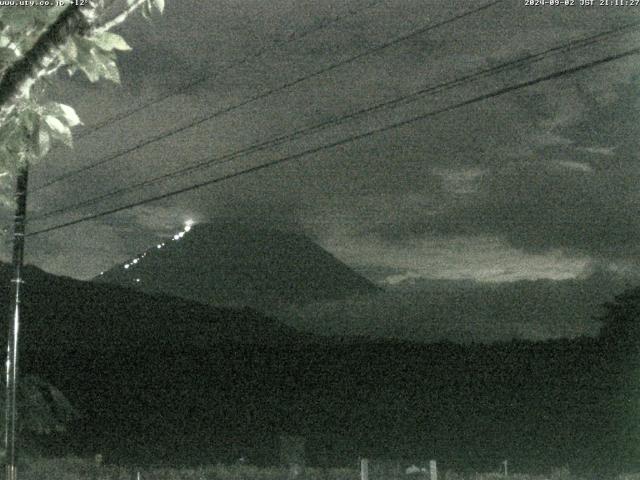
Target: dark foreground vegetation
155, 379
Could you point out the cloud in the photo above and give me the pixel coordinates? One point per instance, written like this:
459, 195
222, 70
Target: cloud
482, 259
577, 166
461, 180
433, 310
504, 168
606, 151
400, 278
94, 246
539, 210
541, 200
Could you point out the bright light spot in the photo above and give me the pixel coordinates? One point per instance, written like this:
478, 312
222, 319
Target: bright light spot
181, 234
137, 280
101, 273
126, 265
189, 223
187, 228
135, 260
159, 245
176, 237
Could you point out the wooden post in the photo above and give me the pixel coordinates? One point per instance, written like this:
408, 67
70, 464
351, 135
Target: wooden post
506, 469
433, 470
364, 469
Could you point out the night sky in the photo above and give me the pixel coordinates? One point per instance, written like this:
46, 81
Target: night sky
505, 198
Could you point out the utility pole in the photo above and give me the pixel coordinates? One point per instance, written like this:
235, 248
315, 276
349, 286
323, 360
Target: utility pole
14, 81
11, 380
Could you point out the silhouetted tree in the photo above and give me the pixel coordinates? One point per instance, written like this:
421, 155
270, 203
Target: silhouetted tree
42, 408
621, 319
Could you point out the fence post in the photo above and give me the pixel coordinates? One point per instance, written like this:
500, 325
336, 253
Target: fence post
364, 469
506, 469
292, 454
433, 470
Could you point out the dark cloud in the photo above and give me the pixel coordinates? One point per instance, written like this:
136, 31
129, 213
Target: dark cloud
575, 189
545, 168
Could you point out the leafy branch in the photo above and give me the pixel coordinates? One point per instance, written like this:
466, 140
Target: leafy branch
147, 7
36, 43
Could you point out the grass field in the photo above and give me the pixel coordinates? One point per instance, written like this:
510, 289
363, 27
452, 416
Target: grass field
79, 469
72, 468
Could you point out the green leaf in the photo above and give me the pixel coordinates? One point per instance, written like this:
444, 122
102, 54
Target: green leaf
105, 65
6, 160
58, 130
44, 142
159, 4
86, 62
111, 71
7, 130
97, 63
54, 124
91, 72
70, 115
110, 41
90, 69
146, 9
71, 70
70, 52
28, 119
63, 112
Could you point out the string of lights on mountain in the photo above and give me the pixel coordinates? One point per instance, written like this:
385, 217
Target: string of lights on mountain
131, 263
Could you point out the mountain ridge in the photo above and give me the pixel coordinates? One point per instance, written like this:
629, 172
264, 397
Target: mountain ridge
64, 311
234, 265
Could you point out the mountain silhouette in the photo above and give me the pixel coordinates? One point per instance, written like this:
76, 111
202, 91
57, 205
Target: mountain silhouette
235, 265
65, 313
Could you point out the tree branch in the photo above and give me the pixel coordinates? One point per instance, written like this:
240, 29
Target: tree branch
75, 19
118, 19
19, 77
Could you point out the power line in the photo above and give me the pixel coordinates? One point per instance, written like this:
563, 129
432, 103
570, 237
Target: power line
266, 94
527, 59
495, 93
203, 78
279, 140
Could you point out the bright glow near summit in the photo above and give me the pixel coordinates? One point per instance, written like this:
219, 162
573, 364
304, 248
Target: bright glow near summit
178, 236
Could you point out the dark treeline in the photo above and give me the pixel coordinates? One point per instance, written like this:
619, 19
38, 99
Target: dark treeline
536, 404
183, 400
